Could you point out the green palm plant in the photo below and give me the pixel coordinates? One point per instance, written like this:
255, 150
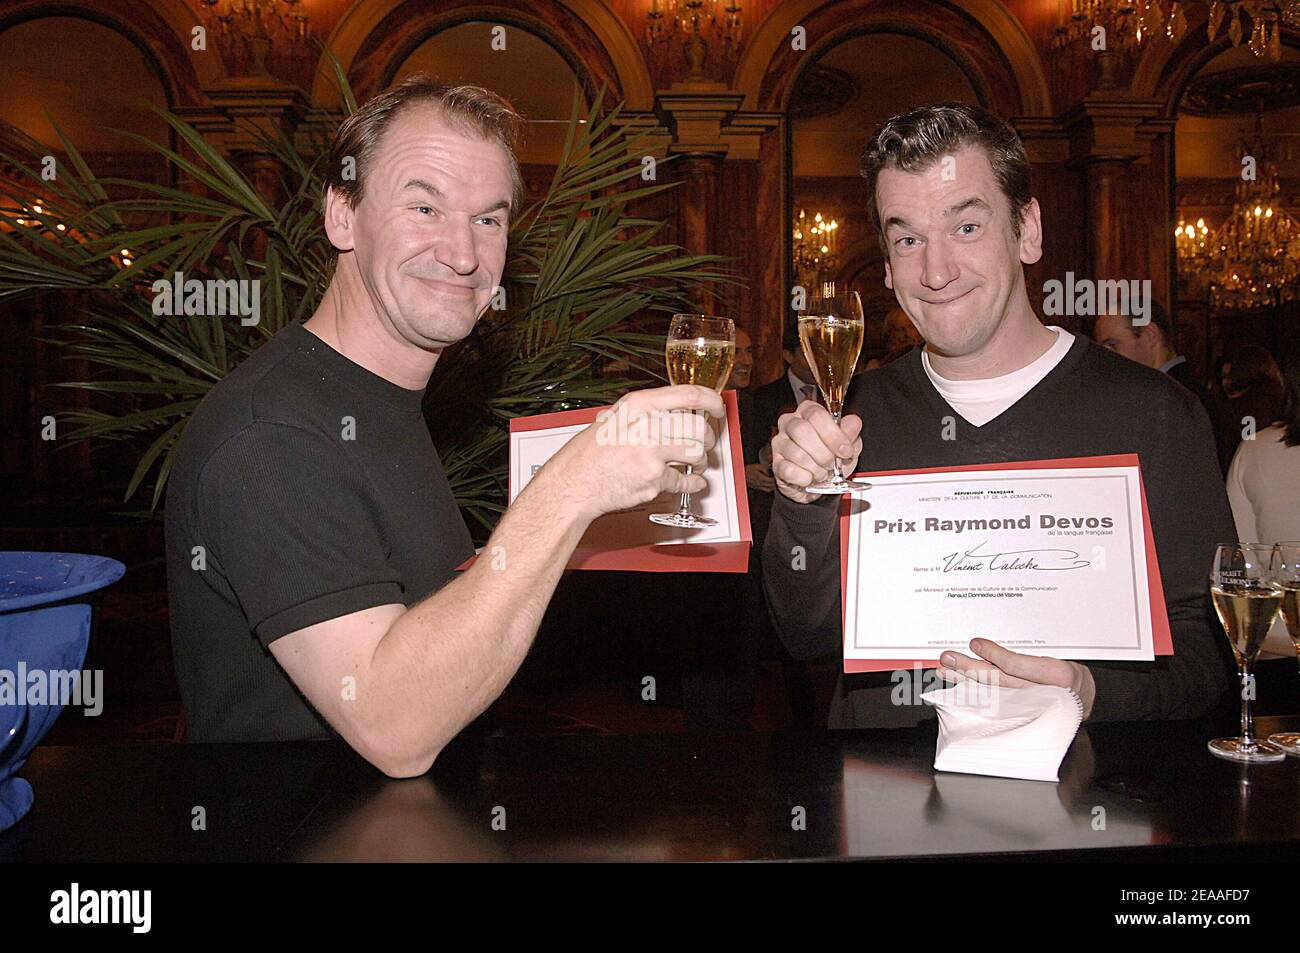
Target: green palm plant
581, 268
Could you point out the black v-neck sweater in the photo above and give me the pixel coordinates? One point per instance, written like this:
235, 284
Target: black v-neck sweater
1092, 403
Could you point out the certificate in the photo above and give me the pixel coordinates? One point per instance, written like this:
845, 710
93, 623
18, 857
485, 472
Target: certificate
1046, 557
627, 540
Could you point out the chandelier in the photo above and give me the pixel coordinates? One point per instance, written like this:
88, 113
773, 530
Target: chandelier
1127, 23
1130, 23
248, 30
692, 24
1265, 30
816, 246
1193, 243
1253, 259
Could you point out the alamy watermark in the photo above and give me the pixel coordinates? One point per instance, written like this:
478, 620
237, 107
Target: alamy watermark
626, 426
77, 905
53, 687
1087, 297
194, 297
978, 689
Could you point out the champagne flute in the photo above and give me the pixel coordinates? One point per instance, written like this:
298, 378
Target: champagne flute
700, 350
1247, 596
831, 329
1288, 574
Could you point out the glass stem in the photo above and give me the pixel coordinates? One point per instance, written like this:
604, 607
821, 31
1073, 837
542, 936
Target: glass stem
685, 508
839, 474
1247, 722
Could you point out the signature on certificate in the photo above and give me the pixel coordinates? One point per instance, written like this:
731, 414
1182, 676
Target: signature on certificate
1047, 560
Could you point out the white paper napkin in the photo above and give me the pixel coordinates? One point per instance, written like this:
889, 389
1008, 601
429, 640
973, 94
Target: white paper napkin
1005, 732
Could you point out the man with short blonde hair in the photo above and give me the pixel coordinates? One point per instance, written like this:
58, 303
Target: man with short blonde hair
312, 538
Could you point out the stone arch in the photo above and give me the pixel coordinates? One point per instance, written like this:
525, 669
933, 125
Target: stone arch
161, 31
1000, 61
586, 33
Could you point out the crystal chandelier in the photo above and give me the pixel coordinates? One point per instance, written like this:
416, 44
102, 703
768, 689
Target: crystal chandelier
1265, 30
1253, 259
692, 24
248, 30
1130, 23
816, 246
1193, 244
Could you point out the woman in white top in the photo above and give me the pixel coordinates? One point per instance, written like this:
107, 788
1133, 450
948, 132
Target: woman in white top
1264, 488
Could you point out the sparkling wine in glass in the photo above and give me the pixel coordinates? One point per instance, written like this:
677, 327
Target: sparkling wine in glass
700, 350
1287, 556
1247, 596
831, 330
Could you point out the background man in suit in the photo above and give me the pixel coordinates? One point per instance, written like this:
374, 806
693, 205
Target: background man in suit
1152, 344
760, 410
742, 371
759, 414
768, 403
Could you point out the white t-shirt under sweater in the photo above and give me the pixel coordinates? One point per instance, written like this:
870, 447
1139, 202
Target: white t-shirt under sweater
982, 400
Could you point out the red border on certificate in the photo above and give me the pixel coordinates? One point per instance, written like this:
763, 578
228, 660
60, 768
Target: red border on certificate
1161, 639
678, 557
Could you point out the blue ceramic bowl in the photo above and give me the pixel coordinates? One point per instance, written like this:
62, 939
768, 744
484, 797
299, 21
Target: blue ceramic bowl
43, 629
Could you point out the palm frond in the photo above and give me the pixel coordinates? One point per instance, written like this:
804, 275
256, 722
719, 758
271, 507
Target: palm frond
582, 277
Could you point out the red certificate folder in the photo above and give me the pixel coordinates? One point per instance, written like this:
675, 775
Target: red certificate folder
1162, 640
730, 556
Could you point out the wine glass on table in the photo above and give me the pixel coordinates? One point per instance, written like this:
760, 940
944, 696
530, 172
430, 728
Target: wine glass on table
1288, 575
1247, 596
831, 330
700, 350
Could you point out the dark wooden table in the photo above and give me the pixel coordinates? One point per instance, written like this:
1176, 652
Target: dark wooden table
1130, 791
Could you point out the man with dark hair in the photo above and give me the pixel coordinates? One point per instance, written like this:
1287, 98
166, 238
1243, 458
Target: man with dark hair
949, 194
774, 398
312, 537
742, 370
1152, 344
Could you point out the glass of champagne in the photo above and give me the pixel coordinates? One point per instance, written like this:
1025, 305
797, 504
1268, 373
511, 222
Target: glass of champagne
1247, 596
1287, 556
700, 350
831, 330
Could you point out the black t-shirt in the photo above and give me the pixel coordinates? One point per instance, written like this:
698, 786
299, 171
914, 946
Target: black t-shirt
313, 489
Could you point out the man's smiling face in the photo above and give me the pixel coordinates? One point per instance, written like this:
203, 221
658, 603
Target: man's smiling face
429, 232
954, 258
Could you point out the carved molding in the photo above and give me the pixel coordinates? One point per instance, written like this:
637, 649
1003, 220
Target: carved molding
1250, 89
706, 118
822, 91
1103, 128
238, 105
